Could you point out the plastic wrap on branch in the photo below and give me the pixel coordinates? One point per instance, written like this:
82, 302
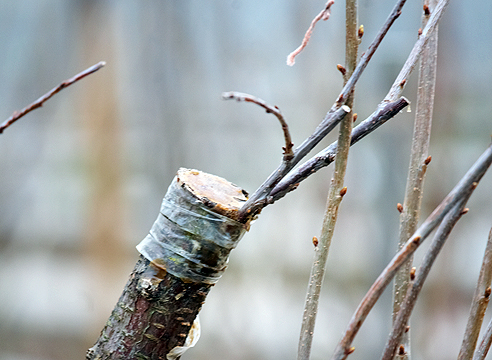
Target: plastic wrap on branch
188, 239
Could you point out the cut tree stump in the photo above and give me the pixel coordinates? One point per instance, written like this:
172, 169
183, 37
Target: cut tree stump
183, 256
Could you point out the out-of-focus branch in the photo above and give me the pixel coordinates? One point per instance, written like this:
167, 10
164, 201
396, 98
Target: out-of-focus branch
416, 170
400, 320
39, 102
461, 192
335, 194
484, 347
288, 153
479, 304
323, 15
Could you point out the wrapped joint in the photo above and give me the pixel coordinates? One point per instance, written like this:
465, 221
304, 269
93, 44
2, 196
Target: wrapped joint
196, 227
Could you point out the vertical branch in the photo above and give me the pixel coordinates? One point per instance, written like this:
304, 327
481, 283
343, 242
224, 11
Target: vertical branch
484, 347
417, 281
418, 163
336, 193
479, 305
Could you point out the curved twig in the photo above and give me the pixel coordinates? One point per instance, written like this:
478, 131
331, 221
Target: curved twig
39, 102
323, 15
288, 153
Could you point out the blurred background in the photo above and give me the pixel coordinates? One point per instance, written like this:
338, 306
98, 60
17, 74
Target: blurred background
82, 178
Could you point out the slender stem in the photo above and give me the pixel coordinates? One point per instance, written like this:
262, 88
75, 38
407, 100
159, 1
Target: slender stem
480, 301
401, 79
460, 192
323, 15
260, 197
39, 102
484, 347
401, 318
288, 153
416, 171
336, 193
324, 158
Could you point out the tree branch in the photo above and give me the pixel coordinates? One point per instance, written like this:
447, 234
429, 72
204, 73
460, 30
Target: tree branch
335, 195
39, 102
407, 304
260, 197
461, 192
288, 153
480, 301
416, 170
324, 158
323, 15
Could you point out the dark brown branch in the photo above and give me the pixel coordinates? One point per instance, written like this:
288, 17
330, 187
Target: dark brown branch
327, 156
461, 192
39, 102
323, 15
409, 300
288, 153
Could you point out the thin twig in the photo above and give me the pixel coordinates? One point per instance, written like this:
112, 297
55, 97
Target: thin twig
323, 15
288, 153
480, 301
327, 156
401, 79
335, 196
39, 102
406, 306
484, 347
260, 197
459, 193
416, 170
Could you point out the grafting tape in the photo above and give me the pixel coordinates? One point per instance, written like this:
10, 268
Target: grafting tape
188, 239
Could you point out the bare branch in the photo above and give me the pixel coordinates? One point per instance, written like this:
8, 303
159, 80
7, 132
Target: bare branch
260, 197
461, 192
335, 194
484, 347
481, 299
327, 156
323, 15
288, 153
401, 79
39, 102
406, 306
416, 170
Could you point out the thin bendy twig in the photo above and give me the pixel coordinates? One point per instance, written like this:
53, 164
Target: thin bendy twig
288, 153
323, 15
460, 192
39, 102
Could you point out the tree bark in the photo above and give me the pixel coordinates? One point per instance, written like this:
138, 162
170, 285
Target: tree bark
183, 256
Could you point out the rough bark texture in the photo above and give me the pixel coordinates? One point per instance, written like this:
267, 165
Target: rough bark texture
183, 256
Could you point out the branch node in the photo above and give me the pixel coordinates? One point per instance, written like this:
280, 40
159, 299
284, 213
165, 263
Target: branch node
464, 211
399, 207
360, 32
412, 273
343, 191
426, 10
427, 160
315, 241
416, 240
342, 69
350, 350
